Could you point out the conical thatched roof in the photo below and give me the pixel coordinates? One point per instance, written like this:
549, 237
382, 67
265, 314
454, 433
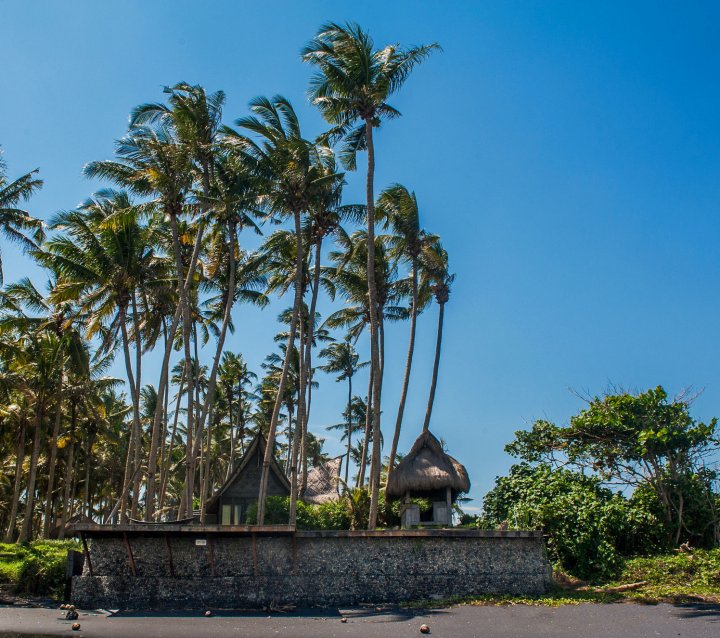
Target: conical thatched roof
427, 468
322, 482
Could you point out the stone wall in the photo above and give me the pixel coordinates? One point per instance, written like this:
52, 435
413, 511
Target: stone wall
239, 571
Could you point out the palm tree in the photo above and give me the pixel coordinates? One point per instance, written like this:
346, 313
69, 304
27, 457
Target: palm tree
351, 90
26, 309
344, 360
195, 118
234, 378
292, 168
16, 224
349, 278
435, 266
398, 209
103, 259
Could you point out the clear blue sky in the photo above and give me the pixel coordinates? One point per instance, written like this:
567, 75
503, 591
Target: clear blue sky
567, 153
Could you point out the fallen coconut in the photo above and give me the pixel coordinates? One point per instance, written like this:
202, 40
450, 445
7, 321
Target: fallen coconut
208, 613
424, 629
343, 619
76, 626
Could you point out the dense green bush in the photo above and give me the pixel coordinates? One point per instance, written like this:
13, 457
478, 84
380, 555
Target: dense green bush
589, 527
36, 568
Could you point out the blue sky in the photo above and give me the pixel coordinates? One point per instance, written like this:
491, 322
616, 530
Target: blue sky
567, 153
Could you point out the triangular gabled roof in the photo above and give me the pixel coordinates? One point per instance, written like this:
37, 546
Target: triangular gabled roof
322, 482
426, 468
257, 446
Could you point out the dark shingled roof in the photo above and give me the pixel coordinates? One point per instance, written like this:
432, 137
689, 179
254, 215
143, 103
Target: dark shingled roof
258, 442
427, 468
322, 482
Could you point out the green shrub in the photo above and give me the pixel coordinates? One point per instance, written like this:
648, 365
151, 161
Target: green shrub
586, 523
37, 568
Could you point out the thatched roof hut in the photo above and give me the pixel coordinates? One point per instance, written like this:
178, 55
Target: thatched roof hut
427, 471
322, 482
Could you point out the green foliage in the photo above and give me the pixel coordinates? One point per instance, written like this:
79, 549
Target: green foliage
37, 568
643, 442
350, 511
587, 525
327, 516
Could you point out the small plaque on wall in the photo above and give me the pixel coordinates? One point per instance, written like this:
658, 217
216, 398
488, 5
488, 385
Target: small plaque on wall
201, 542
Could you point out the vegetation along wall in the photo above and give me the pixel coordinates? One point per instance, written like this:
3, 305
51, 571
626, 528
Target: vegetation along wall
191, 570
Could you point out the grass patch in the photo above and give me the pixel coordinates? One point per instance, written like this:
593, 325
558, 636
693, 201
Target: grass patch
36, 568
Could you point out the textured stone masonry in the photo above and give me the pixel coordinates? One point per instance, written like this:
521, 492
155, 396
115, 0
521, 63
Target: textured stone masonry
244, 570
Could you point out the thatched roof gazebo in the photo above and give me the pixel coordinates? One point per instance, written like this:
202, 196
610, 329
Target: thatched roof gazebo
428, 472
322, 482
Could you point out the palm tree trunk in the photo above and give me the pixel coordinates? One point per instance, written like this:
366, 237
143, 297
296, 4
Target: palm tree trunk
166, 407
26, 529
69, 471
408, 367
308, 361
374, 328
229, 393
131, 467
349, 429
436, 365
298, 432
187, 503
88, 465
368, 426
304, 440
269, 450
205, 484
138, 386
165, 473
169, 341
10, 533
229, 301
47, 517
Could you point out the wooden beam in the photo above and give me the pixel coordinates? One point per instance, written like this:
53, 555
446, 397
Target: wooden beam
131, 558
86, 552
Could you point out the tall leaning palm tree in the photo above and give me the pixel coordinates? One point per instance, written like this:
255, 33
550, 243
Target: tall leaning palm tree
439, 279
398, 208
16, 224
351, 90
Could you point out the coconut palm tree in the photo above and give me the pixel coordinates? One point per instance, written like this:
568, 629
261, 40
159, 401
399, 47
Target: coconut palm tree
235, 377
348, 277
292, 168
18, 225
435, 267
398, 209
345, 361
195, 117
152, 162
103, 258
351, 89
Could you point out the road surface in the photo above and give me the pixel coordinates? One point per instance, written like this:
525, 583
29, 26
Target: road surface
518, 621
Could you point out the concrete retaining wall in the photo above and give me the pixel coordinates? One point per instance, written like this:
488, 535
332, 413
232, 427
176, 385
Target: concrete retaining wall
151, 570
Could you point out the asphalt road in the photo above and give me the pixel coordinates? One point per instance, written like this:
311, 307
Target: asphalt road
519, 621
